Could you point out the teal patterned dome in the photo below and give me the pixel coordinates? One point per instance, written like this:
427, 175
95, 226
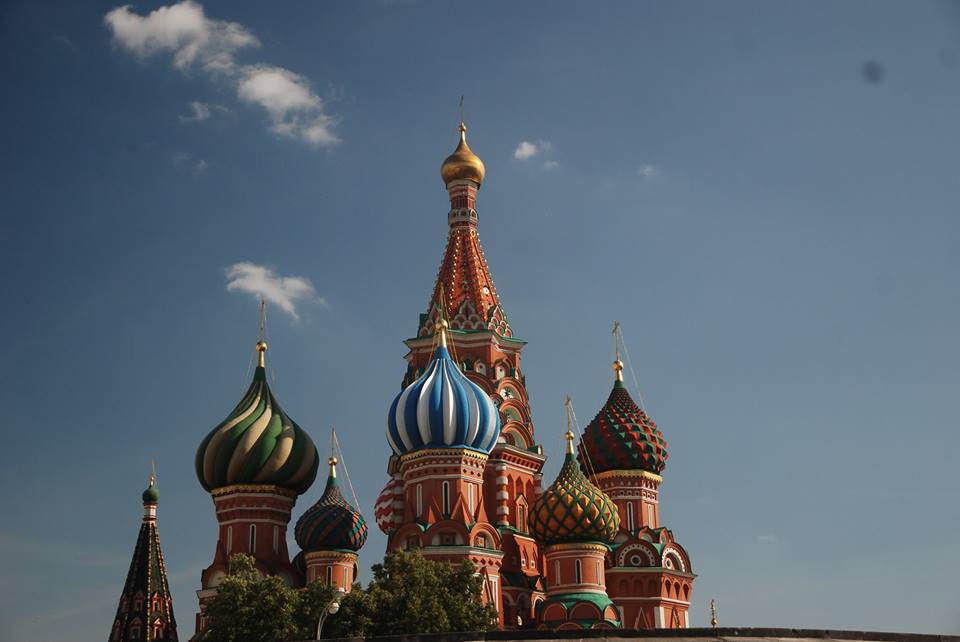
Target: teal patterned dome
258, 443
332, 523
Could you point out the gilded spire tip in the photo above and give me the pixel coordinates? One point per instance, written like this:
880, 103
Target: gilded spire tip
333, 466
618, 369
261, 351
442, 333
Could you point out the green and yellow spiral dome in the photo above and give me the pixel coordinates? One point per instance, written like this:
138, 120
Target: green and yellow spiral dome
258, 443
573, 509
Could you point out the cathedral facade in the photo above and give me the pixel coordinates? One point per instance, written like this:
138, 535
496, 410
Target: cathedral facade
464, 477
588, 551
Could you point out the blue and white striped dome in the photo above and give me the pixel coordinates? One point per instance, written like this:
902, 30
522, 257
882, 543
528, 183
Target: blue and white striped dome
442, 409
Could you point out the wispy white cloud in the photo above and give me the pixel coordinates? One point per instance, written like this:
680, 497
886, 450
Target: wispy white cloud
293, 108
648, 171
527, 149
193, 40
190, 163
183, 30
285, 292
768, 538
198, 111
550, 164
201, 111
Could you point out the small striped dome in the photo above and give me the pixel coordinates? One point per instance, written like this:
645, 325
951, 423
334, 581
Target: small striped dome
442, 409
383, 511
257, 444
332, 523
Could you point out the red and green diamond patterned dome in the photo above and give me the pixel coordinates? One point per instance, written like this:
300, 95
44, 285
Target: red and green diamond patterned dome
573, 509
332, 523
622, 436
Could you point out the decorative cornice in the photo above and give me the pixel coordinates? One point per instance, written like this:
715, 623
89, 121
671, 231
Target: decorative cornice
262, 489
466, 453
577, 546
336, 555
612, 474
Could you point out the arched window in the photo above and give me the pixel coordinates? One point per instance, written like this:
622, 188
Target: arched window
599, 574
329, 575
346, 578
229, 539
650, 521
521, 518
446, 499
472, 498
252, 548
419, 500
579, 572
276, 539
630, 516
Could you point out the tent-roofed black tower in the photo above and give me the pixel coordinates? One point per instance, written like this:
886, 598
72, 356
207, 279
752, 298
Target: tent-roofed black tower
145, 611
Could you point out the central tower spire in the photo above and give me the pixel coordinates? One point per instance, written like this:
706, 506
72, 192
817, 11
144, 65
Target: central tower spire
475, 500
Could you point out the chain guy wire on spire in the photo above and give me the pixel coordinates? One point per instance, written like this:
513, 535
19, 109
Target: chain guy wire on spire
338, 453
619, 342
572, 417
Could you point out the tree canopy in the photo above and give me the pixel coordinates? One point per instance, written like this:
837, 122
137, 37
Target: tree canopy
408, 594
411, 594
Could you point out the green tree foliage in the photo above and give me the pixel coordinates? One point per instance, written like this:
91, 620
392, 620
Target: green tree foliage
410, 594
249, 607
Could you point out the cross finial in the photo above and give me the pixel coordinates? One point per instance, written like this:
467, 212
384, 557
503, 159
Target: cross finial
262, 337
617, 339
713, 614
568, 406
461, 110
153, 472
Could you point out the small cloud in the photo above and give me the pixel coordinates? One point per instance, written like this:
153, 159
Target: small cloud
768, 539
648, 171
183, 31
293, 108
190, 163
527, 150
198, 111
283, 291
551, 164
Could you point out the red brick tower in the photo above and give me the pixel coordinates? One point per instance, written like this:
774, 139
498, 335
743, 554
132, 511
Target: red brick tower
649, 576
506, 481
254, 464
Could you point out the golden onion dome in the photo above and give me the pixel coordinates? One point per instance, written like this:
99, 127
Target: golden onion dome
462, 163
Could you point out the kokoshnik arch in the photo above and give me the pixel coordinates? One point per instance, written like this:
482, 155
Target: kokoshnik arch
465, 478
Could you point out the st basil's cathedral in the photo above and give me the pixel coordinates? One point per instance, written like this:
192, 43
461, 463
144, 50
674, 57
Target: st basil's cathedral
465, 478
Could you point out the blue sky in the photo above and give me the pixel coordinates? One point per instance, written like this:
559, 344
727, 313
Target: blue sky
764, 194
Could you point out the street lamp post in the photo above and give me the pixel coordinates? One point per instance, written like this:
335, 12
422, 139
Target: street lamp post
330, 609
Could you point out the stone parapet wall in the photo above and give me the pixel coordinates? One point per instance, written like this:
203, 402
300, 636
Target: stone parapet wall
673, 635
